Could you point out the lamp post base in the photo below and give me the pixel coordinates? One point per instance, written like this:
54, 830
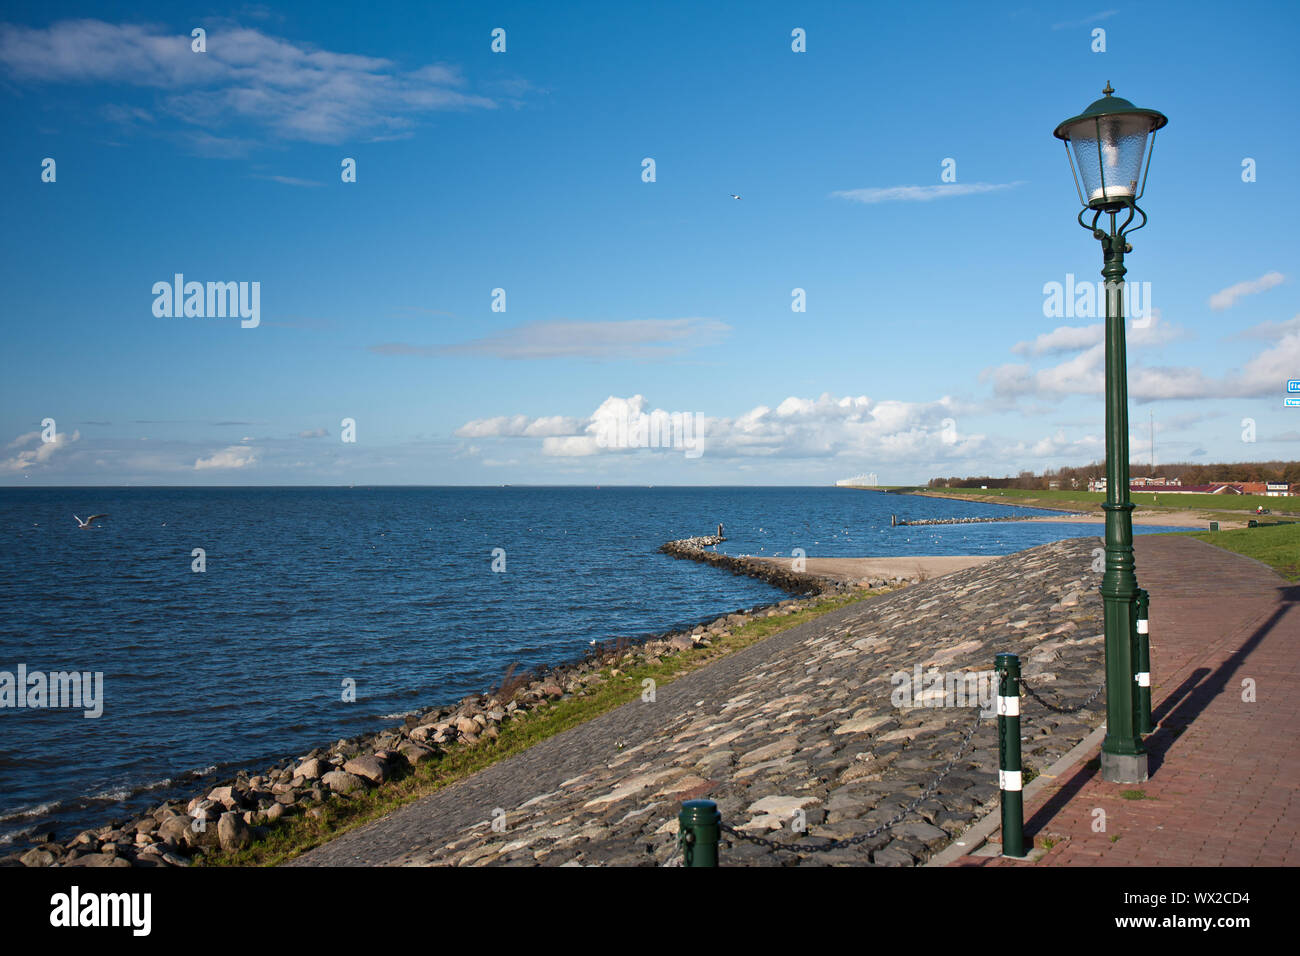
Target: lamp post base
1123, 768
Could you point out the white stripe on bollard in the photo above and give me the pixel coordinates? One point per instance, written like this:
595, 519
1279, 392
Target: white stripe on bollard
1008, 706
1143, 678
1142, 626
1009, 780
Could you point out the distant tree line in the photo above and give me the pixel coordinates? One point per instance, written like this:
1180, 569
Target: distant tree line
1187, 473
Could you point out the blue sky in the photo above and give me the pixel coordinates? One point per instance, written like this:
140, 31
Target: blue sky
924, 349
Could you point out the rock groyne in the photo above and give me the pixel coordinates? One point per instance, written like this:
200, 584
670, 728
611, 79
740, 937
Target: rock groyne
796, 582
895, 521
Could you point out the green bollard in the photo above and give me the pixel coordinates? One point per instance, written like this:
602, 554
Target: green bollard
1013, 805
699, 825
1142, 657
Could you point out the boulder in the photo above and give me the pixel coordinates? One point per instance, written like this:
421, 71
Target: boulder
466, 725
549, 688
233, 832
173, 830
369, 767
417, 754
228, 797
37, 856
432, 731
340, 781
313, 768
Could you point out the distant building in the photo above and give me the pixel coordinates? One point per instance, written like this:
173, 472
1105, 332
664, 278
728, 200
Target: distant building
1153, 482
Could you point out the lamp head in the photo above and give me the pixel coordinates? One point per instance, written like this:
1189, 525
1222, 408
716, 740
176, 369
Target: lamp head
1109, 140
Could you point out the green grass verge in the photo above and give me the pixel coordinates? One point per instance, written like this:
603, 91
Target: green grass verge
1278, 546
1087, 501
292, 836
1216, 507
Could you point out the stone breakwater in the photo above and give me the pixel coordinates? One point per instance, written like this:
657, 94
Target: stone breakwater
784, 577
900, 522
247, 808
805, 720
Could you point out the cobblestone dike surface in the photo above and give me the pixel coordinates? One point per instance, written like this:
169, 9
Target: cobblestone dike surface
802, 720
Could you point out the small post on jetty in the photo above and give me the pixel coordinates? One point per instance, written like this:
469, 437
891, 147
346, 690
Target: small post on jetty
719, 529
1007, 667
893, 521
1142, 655
699, 825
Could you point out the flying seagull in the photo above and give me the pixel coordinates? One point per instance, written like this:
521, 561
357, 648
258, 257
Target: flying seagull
89, 521
733, 195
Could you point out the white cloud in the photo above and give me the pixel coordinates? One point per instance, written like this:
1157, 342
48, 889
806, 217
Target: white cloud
879, 194
1271, 331
41, 454
1066, 338
1226, 298
797, 428
1071, 338
1084, 373
294, 90
520, 426
233, 457
1267, 373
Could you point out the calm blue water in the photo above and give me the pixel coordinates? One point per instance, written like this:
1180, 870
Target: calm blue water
392, 588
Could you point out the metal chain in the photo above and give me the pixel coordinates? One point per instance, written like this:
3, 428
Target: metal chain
1061, 710
854, 841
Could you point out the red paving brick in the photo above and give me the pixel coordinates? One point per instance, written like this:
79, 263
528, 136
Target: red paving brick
1224, 772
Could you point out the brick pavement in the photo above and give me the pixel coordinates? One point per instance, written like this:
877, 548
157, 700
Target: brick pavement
1224, 772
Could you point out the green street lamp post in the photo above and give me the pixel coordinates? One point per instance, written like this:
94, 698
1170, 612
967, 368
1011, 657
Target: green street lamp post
1106, 144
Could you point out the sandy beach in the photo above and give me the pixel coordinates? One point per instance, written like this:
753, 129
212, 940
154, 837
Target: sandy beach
853, 570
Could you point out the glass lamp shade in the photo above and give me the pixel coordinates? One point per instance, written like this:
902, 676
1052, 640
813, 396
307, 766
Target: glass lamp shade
1109, 140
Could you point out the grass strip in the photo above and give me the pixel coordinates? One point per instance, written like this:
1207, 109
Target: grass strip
1278, 545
